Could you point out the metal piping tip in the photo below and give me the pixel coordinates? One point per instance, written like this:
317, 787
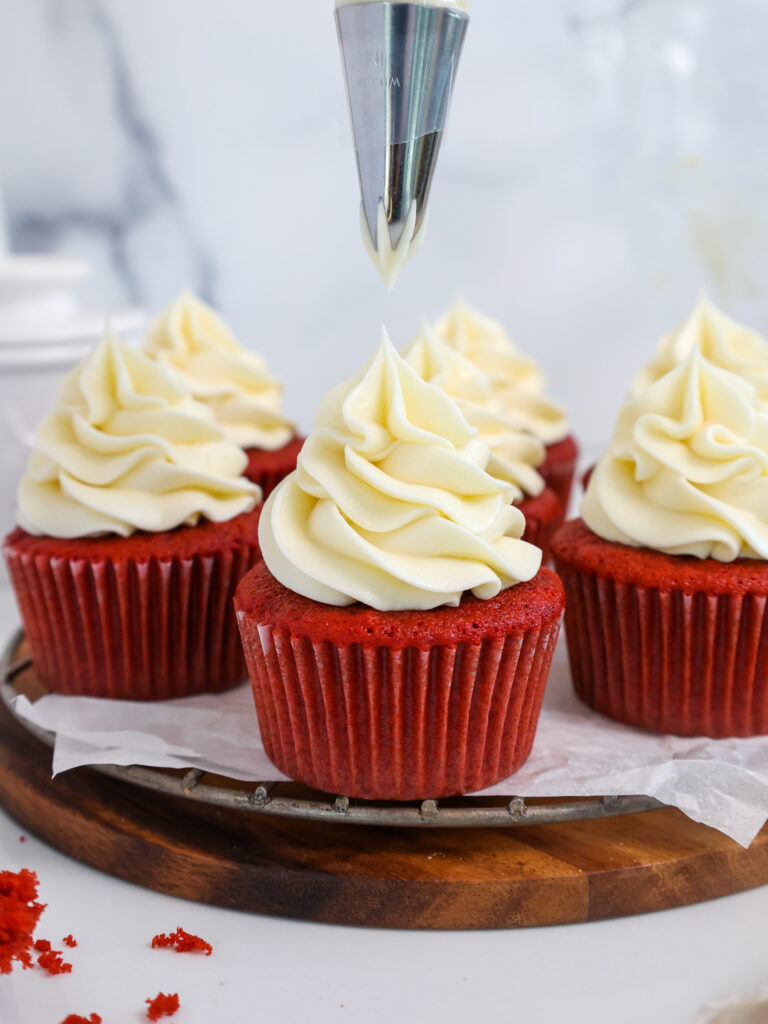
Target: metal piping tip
399, 62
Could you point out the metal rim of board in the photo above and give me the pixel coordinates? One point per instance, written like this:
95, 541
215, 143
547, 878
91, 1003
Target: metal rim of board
267, 798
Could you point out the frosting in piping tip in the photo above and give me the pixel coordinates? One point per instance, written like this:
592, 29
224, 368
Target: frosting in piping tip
246, 400
388, 261
516, 379
127, 448
515, 453
686, 472
391, 503
721, 340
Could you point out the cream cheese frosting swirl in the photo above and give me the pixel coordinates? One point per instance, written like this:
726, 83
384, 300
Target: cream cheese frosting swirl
687, 470
246, 400
517, 379
515, 452
391, 503
127, 448
721, 340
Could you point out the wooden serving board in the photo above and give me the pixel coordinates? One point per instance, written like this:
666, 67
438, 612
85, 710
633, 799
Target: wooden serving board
363, 875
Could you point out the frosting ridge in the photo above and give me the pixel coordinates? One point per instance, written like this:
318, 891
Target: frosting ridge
246, 400
391, 503
516, 379
515, 452
127, 448
686, 472
720, 339
390, 261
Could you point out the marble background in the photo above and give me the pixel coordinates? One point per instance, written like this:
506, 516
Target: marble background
605, 160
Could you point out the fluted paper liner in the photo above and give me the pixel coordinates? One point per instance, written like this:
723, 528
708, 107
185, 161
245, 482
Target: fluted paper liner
398, 723
692, 664
137, 630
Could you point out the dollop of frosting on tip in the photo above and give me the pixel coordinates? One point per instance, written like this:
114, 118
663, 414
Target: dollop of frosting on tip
236, 385
515, 453
128, 448
686, 472
390, 261
720, 339
516, 379
391, 503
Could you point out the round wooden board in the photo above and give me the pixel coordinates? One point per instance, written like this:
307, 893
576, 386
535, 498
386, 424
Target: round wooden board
361, 875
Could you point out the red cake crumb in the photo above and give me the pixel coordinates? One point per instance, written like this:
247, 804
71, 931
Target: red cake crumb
51, 960
42, 946
70, 942
182, 942
19, 914
22, 839
75, 1018
162, 1006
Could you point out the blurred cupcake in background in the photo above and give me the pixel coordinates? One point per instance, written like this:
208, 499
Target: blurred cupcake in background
135, 525
236, 385
721, 340
515, 454
518, 382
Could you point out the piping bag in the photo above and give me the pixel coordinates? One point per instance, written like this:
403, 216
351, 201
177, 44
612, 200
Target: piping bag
400, 60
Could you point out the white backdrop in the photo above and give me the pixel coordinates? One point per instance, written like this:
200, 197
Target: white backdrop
605, 159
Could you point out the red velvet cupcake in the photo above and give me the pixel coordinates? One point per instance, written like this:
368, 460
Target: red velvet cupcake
559, 468
400, 633
667, 577
145, 617
135, 527
665, 642
246, 400
518, 387
267, 468
516, 454
399, 705
543, 517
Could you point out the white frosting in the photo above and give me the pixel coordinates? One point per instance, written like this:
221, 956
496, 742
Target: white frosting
516, 453
516, 379
687, 470
721, 340
460, 5
246, 400
391, 504
127, 448
388, 261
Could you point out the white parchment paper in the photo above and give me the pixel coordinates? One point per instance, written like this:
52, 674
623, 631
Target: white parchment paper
723, 783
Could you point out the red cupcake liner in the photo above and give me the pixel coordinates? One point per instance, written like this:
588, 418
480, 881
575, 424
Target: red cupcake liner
543, 517
379, 722
268, 468
667, 658
148, 628
558, 469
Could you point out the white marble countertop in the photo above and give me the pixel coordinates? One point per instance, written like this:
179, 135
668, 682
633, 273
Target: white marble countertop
659, 967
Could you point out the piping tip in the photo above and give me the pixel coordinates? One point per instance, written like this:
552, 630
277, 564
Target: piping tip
390, 259
399, 61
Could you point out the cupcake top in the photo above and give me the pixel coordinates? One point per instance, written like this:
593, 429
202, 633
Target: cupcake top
128, 448
721, 340
515, 453
687, 469
516, 379
391, 504
246, 400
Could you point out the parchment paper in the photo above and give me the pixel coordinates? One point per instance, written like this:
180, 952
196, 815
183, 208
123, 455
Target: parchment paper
723, 783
